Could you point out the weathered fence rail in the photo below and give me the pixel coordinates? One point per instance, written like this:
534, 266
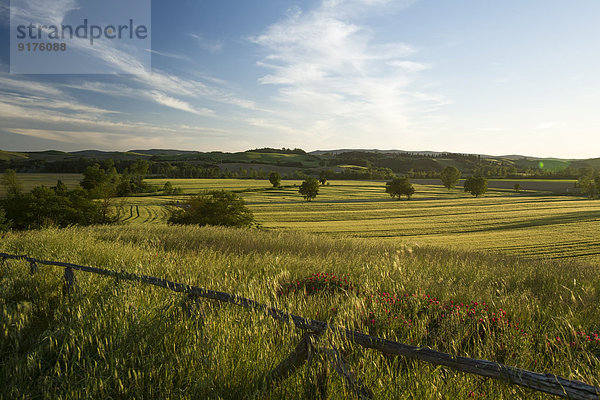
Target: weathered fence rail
547, 383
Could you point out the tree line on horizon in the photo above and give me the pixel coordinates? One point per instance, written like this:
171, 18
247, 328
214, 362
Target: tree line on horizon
363, 165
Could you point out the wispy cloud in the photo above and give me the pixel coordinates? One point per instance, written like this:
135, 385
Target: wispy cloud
332, 77
177, 104
169, 55
80, 139
212, 46
409, 66
48, 111
4, 14
29, 96
40, 11
165, 89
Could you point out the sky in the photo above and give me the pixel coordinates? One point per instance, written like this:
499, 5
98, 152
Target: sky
469, 76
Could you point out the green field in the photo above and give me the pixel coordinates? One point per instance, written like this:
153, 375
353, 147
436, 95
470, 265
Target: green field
509, 277
114, 339
526, 225
30, 181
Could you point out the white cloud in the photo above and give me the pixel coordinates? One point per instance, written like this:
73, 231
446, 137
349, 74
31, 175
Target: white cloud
29, 97
169, 55
409, 66
16, 85
212, 46
40, 11
177, 104
333, 78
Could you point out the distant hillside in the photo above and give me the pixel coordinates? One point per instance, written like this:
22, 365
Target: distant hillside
103, 155
433, 161
10, 155
377, 151
164, 152
338, 163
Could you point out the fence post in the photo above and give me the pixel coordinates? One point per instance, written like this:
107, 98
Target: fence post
33, 267
70, 281
352, 383
302, 353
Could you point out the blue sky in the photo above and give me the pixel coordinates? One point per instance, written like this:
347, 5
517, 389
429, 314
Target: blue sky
501, 77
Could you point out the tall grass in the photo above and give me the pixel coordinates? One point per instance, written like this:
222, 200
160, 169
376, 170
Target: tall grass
115, 339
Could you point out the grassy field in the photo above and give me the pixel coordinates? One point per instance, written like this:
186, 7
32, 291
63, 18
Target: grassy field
509, 277
32, 180
526, 224
114, 339
529, 224
558, 186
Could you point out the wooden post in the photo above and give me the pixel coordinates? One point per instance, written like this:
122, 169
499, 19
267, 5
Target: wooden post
299, 356
70, 281
341, 366
33, 267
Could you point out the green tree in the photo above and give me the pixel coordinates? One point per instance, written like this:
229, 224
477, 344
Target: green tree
93, 178
517, 187
60, 188
275, 179
309, 188
124, 188
322, 178
476, 185
11, 183
587, 184
450, 177
217, 207
400, 187
138, 171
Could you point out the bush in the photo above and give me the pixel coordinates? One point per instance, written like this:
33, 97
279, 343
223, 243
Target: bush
216, 207
50, 207
169, 189
4, 223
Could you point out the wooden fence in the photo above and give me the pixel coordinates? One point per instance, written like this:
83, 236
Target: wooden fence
313, 329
